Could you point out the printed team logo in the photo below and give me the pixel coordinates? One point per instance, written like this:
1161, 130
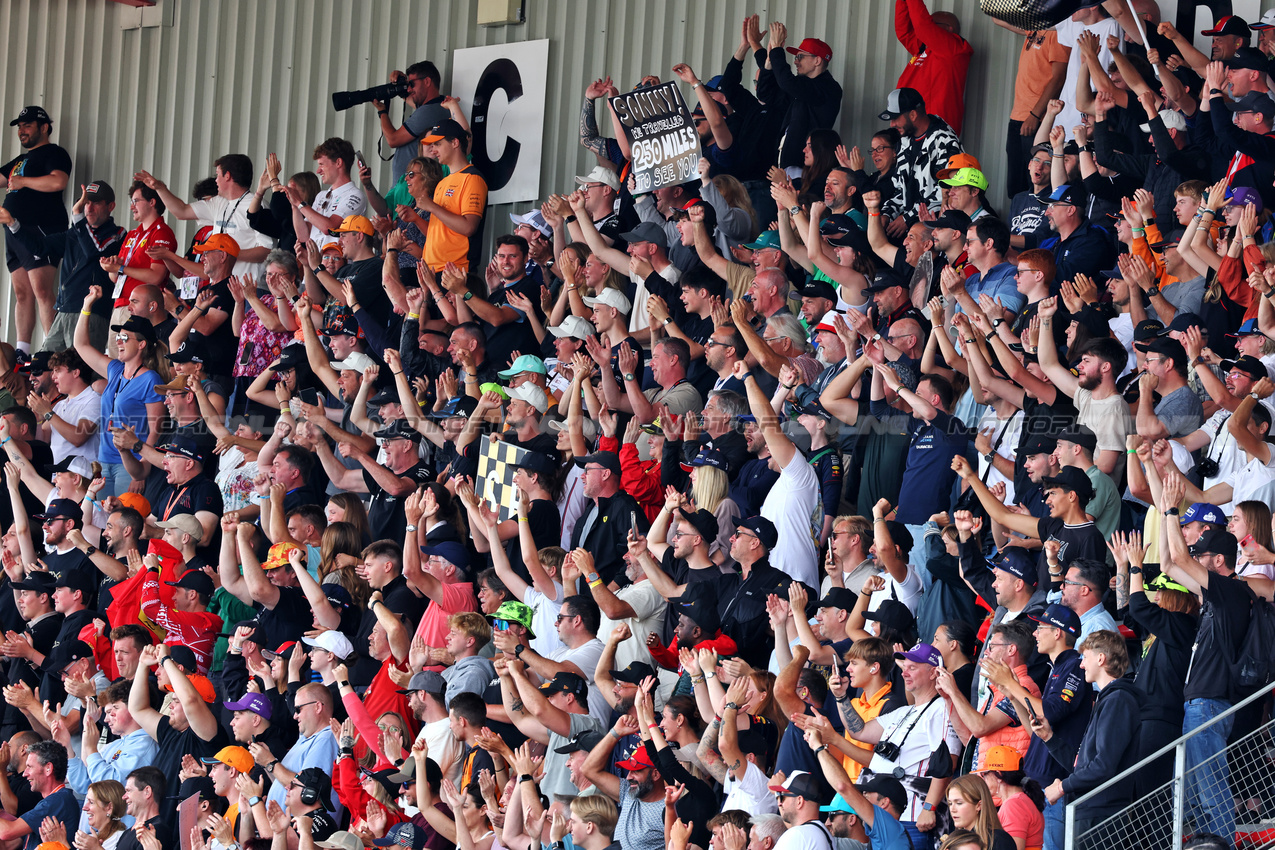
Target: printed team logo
1067, 694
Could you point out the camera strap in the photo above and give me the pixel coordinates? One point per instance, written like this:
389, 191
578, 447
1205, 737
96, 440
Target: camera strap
912, 725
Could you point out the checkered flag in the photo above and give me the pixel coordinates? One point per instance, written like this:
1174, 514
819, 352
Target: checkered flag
495, 483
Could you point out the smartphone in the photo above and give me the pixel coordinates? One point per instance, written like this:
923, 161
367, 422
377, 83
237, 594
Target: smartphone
309, 395
1247, 540
1031, 709
633, 521
247, 353
358, 157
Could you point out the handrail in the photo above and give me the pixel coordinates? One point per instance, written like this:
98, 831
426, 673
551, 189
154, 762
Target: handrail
1262, 693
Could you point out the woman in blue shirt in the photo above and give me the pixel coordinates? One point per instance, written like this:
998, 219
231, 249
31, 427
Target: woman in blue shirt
130, 399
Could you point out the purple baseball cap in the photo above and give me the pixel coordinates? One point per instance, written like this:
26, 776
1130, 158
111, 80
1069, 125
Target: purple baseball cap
922, 653
256, 703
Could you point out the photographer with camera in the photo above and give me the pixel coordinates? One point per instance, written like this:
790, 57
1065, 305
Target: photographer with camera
419, 88
914, 744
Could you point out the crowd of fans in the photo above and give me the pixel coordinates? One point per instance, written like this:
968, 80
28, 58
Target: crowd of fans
848, 512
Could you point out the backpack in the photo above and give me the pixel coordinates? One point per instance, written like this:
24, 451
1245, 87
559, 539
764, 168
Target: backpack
1255, 660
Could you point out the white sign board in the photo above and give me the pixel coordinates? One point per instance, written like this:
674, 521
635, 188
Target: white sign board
502, 90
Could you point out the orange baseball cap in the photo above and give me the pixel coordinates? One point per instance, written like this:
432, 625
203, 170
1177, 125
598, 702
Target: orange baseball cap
956, 162
236, 757
1002, 758
137, 502
278, 556
354, 224
218, 242
333, 248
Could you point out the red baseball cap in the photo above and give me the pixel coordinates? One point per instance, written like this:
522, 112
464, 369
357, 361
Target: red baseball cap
814, 47
638, 761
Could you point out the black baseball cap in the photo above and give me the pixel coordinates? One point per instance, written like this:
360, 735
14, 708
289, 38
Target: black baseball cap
883, 280
1248, 364
37, 580
818, 289
139, 326
537, 462
100, 190
1216, 541
888, 787
62, 509
291, 357
462, 405
954, 219
1018, 562
634, 674
893, 614
900, 535
606, 460
65, 654
184, 446
900, 101
700, 609
1071, 478
447, 129
399, 429
32, 113
74, 579
1039, 444
1081, 435
196, 580
1147, 329
839, 597
316, 780
704, 521
763, 528
566, 683
192, 350
580, 742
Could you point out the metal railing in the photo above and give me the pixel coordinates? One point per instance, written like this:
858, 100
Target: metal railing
1244, 769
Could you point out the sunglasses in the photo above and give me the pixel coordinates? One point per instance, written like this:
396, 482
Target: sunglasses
500, 625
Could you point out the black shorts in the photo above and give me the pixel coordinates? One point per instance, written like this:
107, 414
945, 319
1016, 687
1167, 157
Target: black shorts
17, 256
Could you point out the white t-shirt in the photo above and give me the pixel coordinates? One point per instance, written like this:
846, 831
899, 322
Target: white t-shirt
1068, 32
573, 503
86, 405
444, 749
230, 216
346, 199
585, 656
907, 591
640, 318
544, 620
795, 506
812, 835
1223, 449
915, 746
1255, 481
649, 607
1008, 432
751, 794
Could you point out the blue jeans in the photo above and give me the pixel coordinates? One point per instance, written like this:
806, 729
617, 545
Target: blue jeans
1212, 806
1055, 825
920, 840
117, 480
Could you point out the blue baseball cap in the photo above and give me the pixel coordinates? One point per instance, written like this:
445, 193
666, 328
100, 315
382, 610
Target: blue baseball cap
1016, 561
1060, 617
1203, 512
449, 550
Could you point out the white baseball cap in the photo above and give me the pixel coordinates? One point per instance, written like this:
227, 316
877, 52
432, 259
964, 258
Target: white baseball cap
611, 298
531, 394
534, 219
574, 327
333, 641
601, 174
357, 361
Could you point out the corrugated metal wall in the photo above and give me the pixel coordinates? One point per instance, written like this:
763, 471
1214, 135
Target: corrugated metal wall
254, 76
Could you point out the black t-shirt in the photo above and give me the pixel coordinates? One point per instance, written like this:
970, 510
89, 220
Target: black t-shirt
73, 560
1224, 619
365, 277
400, 599
385, 515
516, 335
43, 635
173, 745
30, 207
289, 619
222, 344
1076, 541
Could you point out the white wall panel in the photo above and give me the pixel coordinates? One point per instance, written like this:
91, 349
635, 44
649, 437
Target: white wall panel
255, 76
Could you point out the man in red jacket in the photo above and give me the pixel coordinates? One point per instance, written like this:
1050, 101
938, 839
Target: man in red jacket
938, 58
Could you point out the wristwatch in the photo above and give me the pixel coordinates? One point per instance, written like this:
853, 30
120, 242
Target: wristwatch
794, 210
91, 551
1171, 512
1154, 289
629, 376
876, 337
252, 801
927, 805
518, 650
411, 528
467, 296
1135, 571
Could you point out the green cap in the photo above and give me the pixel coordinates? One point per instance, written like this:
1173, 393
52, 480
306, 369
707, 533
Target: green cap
517, 612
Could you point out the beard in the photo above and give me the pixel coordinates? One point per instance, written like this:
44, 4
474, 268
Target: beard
640, 789
1089, 382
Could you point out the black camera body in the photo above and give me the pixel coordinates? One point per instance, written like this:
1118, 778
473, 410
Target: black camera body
888, 750
342, 100
1208, 468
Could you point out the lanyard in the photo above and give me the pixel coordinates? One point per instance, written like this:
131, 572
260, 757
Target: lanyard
173, 500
